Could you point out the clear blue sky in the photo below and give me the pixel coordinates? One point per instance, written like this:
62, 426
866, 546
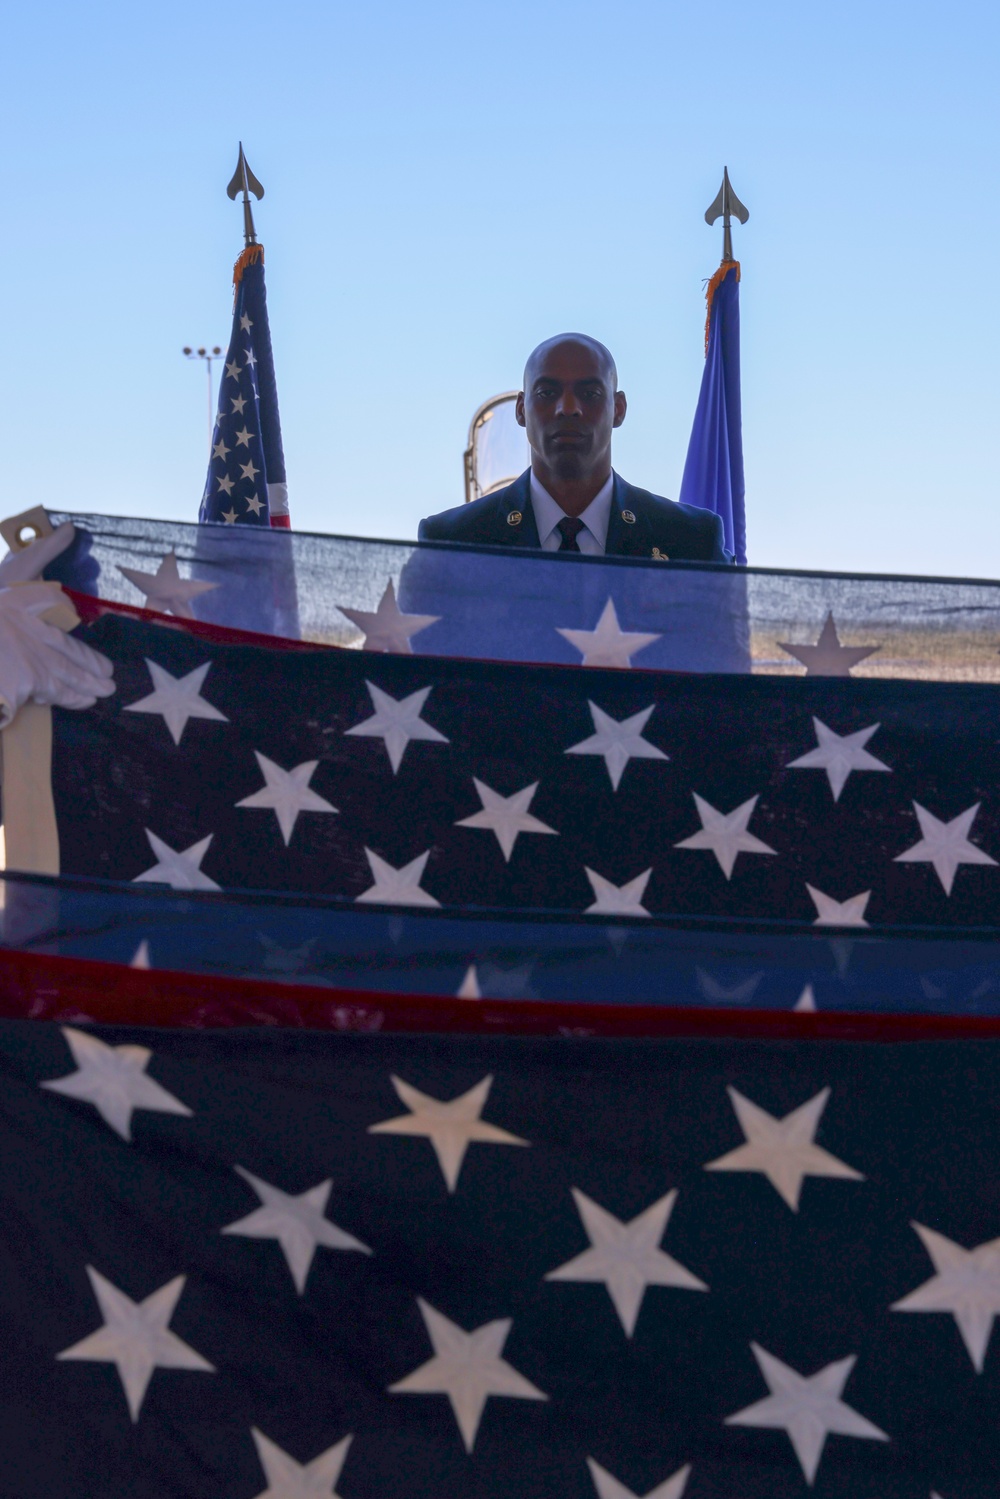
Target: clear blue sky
447, 184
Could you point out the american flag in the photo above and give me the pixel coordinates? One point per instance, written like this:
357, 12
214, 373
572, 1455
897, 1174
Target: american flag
271, 1249
246, 484
273, 1264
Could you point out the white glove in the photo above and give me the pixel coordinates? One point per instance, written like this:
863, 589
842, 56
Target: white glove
38, 663
25, 566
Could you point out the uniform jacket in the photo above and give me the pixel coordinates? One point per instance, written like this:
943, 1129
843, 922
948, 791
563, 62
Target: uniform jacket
641, 524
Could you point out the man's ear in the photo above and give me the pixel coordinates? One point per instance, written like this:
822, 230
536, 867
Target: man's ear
519, 409
621, 406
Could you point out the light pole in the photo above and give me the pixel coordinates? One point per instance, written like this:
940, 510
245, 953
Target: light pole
209, 355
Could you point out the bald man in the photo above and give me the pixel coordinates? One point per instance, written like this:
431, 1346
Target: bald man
570, 499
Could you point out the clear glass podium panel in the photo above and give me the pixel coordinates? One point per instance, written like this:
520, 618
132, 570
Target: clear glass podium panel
498, 447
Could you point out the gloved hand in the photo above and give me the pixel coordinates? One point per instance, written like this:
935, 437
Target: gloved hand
25, 566
39, 663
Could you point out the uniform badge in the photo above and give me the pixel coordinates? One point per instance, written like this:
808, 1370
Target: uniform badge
628, 517
514, 518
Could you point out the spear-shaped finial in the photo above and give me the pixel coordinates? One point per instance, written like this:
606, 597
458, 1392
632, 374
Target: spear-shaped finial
244, 181
726, 204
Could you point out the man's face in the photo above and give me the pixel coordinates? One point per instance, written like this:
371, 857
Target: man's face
569, 408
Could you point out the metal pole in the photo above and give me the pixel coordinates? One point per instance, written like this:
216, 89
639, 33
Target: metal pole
209, 356
725, 205
243, 181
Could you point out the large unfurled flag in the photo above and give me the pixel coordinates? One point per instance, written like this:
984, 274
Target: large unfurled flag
246, 472
501, 1066
713, 472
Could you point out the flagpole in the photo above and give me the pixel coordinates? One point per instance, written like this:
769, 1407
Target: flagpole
246, 482
713, 470
244, 181
725, 205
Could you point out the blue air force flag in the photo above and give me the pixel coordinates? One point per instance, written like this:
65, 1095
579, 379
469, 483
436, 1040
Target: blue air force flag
246, 472
713, 472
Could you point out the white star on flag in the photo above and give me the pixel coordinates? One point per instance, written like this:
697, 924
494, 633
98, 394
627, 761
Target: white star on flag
783, 1150
806, 1002
609, 1488
397, 722
451, 1124
828, 658
388, 629
466, 1367
243, 436
141, 958
945, 844
178, 868
838, 755
226, 485
136, 1336
114, 1080
618, 741
233, 370
297, 1222
626, 1257
286, 793
176, 699
830, 912
397, 887
725, 833
617, 900
219, 451
469, 987
507, 816
165, 590
287, 1479
966, 1284
245, 322
229, 516
808, 1408
608, 644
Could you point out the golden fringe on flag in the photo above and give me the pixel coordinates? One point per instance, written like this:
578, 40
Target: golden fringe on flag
710, 290
249, 256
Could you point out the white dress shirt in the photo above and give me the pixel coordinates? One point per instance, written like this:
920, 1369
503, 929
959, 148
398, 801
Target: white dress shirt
593, 538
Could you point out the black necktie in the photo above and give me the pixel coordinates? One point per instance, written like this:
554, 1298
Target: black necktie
569, 528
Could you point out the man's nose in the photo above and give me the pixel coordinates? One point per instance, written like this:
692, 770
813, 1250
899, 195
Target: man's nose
568, 404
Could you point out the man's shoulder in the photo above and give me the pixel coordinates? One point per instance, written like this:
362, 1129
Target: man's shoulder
658, 507
691, 527
476, 521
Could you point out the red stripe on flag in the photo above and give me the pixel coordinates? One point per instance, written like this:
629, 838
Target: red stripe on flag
91, 609
38, 986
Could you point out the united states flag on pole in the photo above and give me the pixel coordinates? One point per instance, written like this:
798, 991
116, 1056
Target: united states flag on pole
246, 472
